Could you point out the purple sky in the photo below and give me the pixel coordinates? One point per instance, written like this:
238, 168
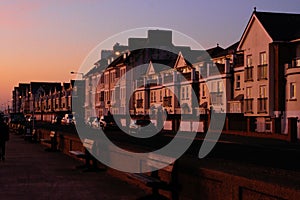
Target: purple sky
45, 40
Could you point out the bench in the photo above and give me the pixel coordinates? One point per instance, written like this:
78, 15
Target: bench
89, 145
152, 179
52, 141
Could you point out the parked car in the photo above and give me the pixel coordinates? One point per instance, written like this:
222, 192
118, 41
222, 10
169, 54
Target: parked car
96, 123
142, 126
67, 119
56, 120
90, 120
31, 118
107, 122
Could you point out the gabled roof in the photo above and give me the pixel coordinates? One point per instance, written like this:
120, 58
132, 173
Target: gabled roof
279, 26
229, 50
47, 86
214, 51
181, 62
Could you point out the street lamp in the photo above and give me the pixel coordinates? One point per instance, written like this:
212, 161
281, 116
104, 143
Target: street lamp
33, 108
82, 74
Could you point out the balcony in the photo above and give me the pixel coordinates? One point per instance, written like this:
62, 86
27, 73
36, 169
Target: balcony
293, 68
168, 79
140, 83
236, 107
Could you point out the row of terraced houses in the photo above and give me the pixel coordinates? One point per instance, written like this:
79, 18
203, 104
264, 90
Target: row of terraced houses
255, 81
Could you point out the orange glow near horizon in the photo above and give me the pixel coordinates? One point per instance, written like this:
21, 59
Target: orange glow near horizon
46, 40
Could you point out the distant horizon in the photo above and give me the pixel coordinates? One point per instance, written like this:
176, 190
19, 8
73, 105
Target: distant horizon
43, 41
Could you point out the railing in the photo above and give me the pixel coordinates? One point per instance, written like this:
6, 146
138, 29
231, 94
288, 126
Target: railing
168, 79
140, 83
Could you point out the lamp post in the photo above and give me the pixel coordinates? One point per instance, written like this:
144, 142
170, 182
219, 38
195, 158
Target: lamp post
33, 108
80, 113
82, 74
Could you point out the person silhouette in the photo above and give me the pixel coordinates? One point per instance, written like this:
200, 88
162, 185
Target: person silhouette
4, 136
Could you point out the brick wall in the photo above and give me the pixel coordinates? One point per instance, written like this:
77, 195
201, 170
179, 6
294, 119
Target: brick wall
210, 179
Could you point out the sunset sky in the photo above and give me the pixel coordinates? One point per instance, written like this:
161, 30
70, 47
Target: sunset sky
45, 40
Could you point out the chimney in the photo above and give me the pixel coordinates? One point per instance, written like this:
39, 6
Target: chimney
193, 75
227, 66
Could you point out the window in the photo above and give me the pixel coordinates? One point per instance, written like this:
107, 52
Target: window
262, 100
187, 92
248, 92
249, 61
220, 87
248, 100
292, 90
122, 72
183, 93
113, 95
203, 90
238, 82
106, 78
102, 96
249, 69
153, 96
262, 91
160, 95
122, 93
166, 92
263, 58
262, 67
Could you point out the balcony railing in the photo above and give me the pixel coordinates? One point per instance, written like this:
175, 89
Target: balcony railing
168, 79
262, 105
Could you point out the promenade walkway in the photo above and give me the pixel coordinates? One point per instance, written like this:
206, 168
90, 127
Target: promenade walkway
29, 172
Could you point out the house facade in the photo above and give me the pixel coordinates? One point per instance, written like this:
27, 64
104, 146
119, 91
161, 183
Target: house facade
255, 81
45, 100
267, 47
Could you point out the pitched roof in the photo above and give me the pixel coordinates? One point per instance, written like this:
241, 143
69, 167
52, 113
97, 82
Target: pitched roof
47, 86
280, 26
214, 51
231, 49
